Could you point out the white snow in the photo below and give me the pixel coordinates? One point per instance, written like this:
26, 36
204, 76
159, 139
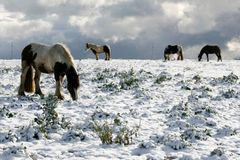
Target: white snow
184, 110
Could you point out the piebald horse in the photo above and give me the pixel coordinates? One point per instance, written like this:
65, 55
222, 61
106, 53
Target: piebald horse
97, 49
55, 59
210, 49
175, 49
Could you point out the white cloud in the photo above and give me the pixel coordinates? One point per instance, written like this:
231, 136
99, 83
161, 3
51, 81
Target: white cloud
137, 22
108, 29
234, 45
51, 3
97, 3
190, 18
14, 25
176, 10
233, 49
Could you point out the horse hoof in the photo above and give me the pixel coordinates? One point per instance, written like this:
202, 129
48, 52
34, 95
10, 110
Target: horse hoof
21, 94
61, 97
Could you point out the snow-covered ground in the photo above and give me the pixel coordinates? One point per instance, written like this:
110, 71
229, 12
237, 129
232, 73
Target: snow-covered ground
141, 109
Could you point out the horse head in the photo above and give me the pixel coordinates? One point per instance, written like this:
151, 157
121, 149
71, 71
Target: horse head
73, 82
199, 57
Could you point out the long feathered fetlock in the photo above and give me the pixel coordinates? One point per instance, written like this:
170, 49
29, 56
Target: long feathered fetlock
29, 85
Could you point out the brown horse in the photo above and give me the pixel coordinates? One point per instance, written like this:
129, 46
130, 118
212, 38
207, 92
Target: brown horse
175, 49
42, 58
97, 49
210, 49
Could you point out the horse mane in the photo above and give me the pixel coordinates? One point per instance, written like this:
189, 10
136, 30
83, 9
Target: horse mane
68, 54
91, 45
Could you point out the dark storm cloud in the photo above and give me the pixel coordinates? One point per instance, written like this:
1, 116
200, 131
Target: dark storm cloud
134, 28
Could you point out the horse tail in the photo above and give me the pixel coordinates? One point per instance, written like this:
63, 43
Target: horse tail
110, 52
181, 52
219, 54
27, 63
107, 50
29, 85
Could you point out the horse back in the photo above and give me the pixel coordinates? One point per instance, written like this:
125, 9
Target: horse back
28, 55
106, 49
172, 49
47, 56
211, 49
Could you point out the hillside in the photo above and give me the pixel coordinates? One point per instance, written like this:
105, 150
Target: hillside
141, 109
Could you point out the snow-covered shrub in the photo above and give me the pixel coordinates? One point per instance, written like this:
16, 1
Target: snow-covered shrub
147, 145
181, 110
28, 133
101, 115
7, 137
104, 132
125, 135
162, 77
229, 79
186, 157
128, 80
104, 75
217, 152
115, 132
226, 131
181, 124
230, 93
99, 78
204, 110
145, 75
195, 134
14, 151
174, 141
49, 120
129, 83
5, 112
73, 135
211, 123
197, 78
5, 70
113, 87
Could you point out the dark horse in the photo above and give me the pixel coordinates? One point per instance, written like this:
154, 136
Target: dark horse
97, 49
210, 49
42, 58
175, 49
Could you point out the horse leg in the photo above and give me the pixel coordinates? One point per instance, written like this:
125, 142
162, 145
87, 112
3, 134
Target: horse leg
58, 88
25, 68
219, 57
106, 56
207, 57
109, 55
37, 80
181, 55
178, 56
59, 72
165, 57
97, 57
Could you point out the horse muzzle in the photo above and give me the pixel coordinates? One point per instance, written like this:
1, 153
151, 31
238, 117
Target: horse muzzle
74, 94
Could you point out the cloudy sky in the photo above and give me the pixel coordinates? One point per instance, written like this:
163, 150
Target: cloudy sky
138, 29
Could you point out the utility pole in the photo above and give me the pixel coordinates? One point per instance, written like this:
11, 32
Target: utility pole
152, 51
11, 50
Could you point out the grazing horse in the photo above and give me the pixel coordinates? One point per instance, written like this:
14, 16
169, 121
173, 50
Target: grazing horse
175, 49
97, 49
210, 49
55, 59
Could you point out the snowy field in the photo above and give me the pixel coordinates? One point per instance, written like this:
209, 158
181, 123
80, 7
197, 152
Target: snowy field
127, 109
